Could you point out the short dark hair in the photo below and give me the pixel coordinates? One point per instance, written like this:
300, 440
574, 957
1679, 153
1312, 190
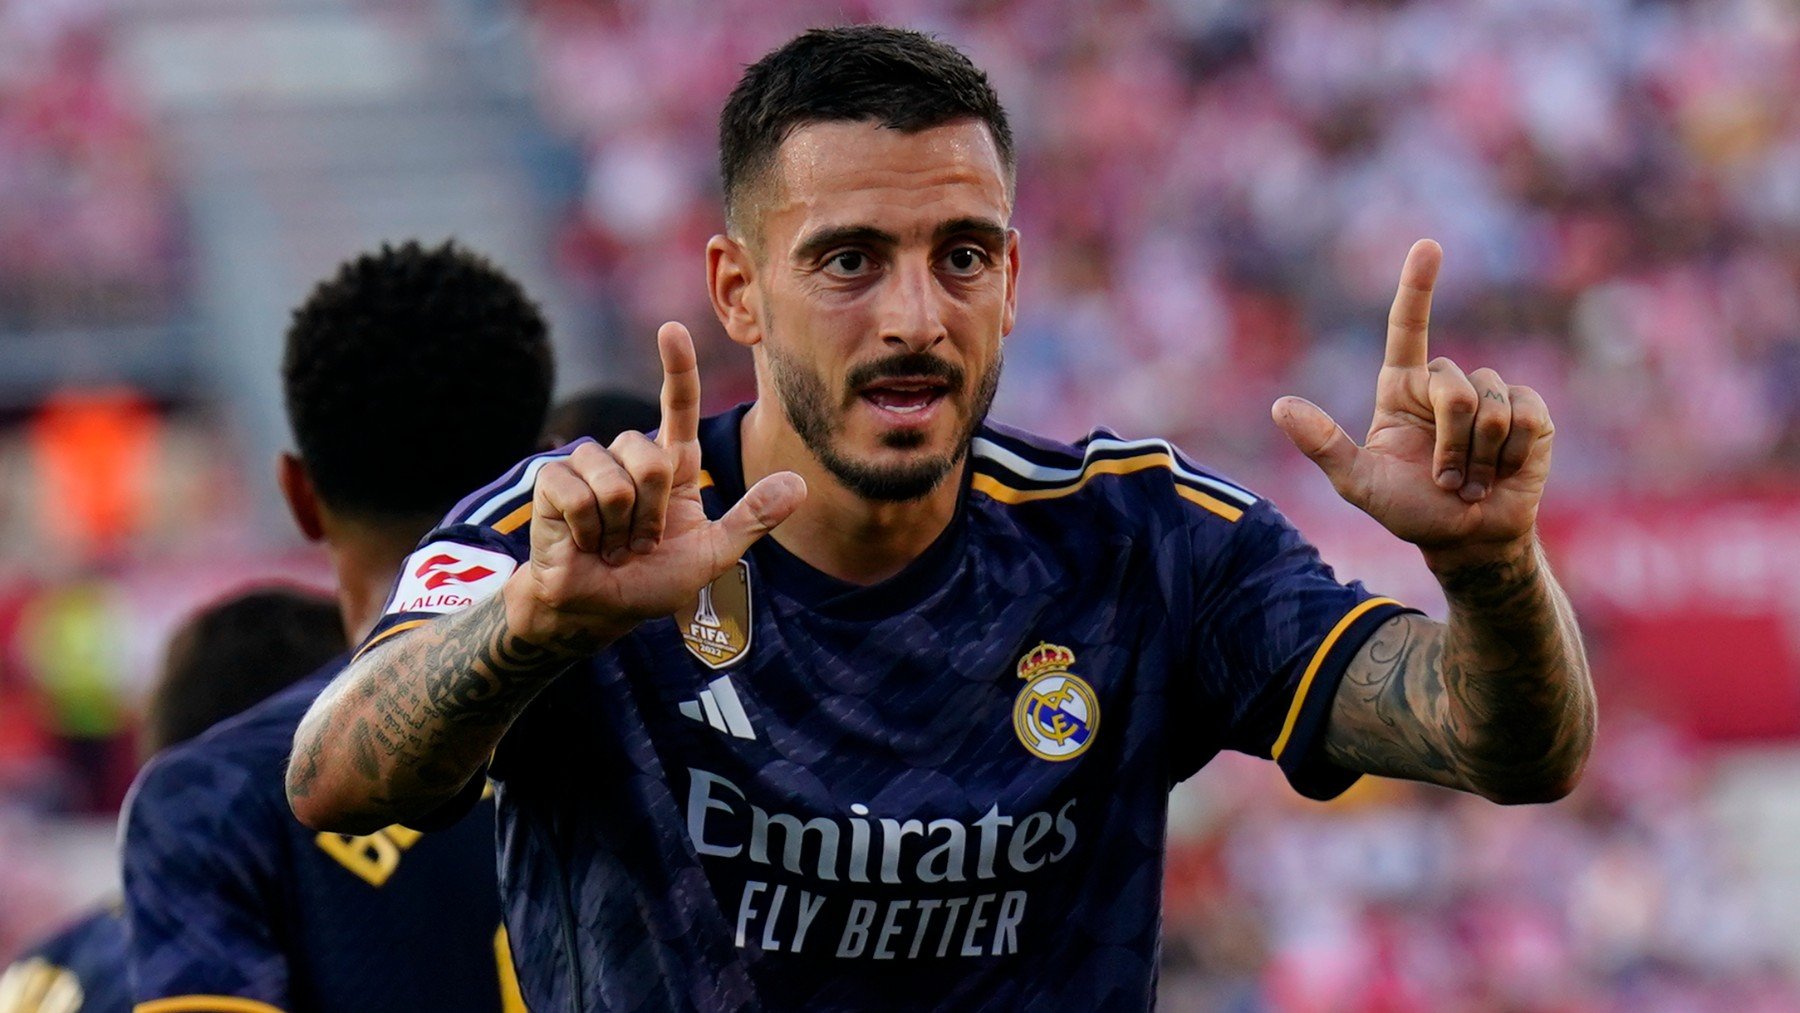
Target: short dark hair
601, 414
901, 79
412, 376
235, 652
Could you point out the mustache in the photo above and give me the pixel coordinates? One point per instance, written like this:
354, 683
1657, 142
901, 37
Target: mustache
907, 365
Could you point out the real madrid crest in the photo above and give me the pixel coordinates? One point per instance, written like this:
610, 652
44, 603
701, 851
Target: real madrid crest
1057, 712
715, 624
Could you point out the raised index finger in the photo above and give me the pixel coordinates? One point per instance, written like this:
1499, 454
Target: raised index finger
680, 386
1411, 314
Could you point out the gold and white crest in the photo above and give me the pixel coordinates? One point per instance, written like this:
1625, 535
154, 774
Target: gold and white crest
1057, 713
715, 625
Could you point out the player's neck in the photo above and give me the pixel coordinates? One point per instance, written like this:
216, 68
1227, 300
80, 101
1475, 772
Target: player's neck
365, 559
836, 531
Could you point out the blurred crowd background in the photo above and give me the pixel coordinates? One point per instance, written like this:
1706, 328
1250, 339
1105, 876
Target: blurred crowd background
1215, 197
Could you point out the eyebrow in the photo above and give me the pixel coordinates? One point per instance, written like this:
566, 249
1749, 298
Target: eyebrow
822, 242
988, 231
818, 244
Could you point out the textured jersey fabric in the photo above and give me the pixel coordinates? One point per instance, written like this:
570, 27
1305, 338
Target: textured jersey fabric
227, 895
81, 969
943, 791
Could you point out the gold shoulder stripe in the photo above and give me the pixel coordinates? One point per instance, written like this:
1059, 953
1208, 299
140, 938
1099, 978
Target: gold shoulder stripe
515, 520
996, 489
1205, 502
1312, 669
205, 1004
385, 634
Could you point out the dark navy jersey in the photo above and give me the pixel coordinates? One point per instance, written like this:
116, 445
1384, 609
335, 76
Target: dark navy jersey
79, 970
233, 905
946, 790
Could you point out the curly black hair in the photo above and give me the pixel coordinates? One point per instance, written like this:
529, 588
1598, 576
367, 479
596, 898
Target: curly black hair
412, 376
900, 79
235, 652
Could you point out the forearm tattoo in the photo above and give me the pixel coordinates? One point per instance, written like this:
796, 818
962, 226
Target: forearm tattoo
1498, 701
415, 720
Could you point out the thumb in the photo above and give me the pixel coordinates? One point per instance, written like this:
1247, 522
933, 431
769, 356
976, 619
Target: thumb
1317, 436
767, 504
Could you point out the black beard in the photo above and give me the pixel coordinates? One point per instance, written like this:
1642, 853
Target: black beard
809, 410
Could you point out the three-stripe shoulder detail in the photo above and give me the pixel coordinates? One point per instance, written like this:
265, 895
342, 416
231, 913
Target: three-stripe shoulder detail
499, 504
1004, 472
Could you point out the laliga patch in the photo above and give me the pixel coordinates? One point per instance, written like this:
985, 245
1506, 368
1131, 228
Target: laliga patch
446, 577
715, 625
1057, 712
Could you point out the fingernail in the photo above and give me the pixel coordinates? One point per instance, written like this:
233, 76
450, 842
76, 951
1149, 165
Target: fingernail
1474, 492
1449, 478
643, 546
615, 556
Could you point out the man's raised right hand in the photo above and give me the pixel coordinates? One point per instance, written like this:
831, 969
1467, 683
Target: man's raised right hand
619, 535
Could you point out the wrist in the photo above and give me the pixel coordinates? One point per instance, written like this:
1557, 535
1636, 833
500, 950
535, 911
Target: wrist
537, 623
1513, 557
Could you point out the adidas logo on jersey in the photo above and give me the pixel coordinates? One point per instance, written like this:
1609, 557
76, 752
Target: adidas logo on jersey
720, 707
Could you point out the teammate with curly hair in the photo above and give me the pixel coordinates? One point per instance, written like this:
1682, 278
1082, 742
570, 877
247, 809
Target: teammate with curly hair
232, 905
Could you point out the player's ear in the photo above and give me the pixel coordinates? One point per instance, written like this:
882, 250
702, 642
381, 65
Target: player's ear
731, 281
1012, 281
302, 498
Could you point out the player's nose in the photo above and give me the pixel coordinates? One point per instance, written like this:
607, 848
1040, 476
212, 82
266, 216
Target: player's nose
910, 314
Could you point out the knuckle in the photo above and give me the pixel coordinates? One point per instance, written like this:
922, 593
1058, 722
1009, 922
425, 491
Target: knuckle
1491, 425
1442, 364
628, 439
1487, 377
584, 456
556, 481
656, 479
615, 495
1407, 315
1460, 401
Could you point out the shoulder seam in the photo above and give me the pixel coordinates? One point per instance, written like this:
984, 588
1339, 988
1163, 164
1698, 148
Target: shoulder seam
1011, 478
511, 488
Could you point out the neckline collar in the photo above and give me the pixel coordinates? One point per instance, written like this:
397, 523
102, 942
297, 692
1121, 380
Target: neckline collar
721, 451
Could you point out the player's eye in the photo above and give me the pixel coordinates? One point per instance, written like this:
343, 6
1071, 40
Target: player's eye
965, 260
848, 264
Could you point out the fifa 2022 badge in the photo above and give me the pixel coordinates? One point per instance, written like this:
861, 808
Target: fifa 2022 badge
1057, 712
715, 624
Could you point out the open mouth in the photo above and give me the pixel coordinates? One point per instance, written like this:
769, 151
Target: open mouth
904, 395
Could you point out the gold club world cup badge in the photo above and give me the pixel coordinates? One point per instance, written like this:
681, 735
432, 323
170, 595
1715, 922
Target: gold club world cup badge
1057, 713
715, 624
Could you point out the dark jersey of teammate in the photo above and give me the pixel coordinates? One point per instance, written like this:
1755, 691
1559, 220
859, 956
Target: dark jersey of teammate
227, 895
943, 791
79, 970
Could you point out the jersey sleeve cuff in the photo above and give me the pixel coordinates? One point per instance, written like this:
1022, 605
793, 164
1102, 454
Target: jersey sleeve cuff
1295, 749
389, 628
